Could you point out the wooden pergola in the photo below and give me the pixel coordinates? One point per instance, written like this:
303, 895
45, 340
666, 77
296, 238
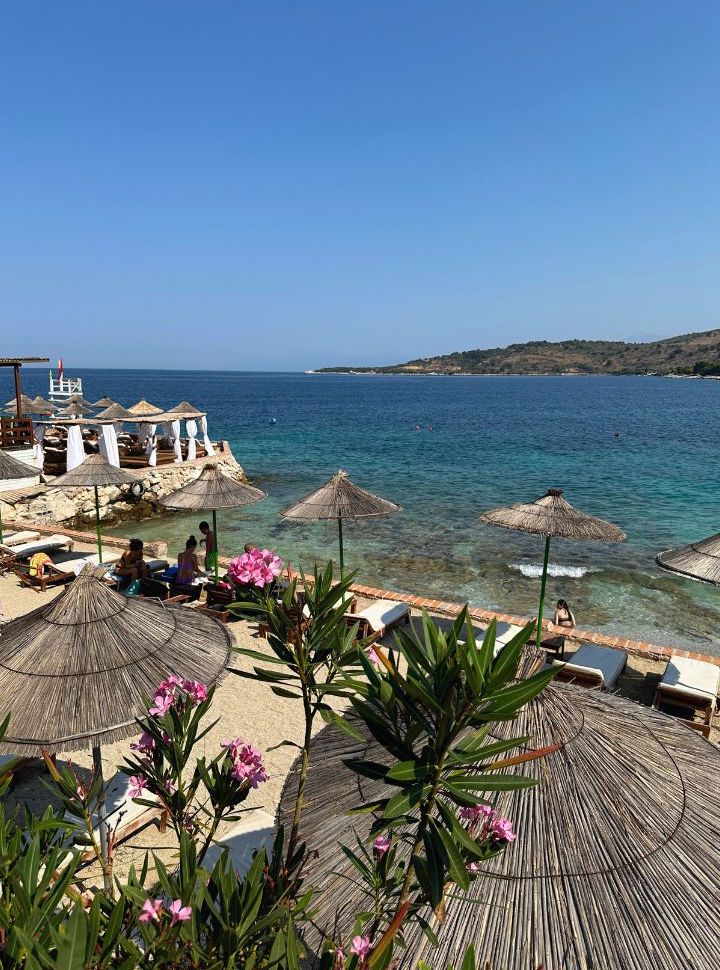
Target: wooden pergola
17, 432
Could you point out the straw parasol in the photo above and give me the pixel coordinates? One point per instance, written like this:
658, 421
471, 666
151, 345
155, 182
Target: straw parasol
339, 499
115, 412
698, 560
76, 672
94, 471
185, 410
79, 399
73, 409
104, 402
25, 402
552, 516
617, 857
143, 409
213, 490
11, 468
41, 406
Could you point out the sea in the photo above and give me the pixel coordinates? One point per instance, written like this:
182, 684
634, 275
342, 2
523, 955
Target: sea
641, 452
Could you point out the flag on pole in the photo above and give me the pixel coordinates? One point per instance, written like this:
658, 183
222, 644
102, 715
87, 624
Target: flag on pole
60, 369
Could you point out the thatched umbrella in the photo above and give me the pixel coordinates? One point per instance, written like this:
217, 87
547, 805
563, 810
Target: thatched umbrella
617, 858
115, 412
185, 410
25, 403
72, 409
95, 470
104, 402
41, 406
698, 560
11, 468
211, 491
552, 516
79, 399
76, 672
339, 499
143, 409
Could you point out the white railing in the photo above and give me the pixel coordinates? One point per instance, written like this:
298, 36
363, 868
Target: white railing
64, 387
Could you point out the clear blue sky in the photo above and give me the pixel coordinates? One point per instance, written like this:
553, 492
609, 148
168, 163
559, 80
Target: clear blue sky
280, 185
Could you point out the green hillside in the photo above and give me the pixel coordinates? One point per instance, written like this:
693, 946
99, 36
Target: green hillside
691, 353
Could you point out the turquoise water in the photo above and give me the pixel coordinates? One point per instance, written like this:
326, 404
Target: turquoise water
493, 441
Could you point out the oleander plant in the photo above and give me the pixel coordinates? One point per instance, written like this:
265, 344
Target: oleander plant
427, 702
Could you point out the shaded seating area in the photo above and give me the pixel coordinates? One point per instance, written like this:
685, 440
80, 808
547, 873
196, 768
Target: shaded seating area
689, 690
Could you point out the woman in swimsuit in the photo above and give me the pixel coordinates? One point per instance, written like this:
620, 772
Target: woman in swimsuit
188, 567
132, 565
564, 615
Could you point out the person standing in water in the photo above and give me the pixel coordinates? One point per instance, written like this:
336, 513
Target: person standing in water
210, 546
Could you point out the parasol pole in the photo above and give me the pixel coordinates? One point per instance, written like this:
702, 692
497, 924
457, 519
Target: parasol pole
538, 631
342, 555
1, 528
102, 824
217, 552
97, 524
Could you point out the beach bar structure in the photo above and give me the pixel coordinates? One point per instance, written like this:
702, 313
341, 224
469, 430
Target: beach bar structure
16, 429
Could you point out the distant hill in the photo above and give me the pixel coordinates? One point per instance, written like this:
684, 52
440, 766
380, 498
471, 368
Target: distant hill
690, 353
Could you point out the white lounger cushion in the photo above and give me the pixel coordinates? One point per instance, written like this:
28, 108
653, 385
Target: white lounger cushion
253, 831
27, 549
17, 538
119, 807
73, 564
381, 614
504, 632
695, 678
606, 662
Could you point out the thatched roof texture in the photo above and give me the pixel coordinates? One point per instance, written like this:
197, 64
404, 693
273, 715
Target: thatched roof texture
79, 399
73, 408
212, 490
76, 671
552, 515
617, 858
698, 560
185, 410
12, 468
26, 403
339, 499
94, 470
115, 412
41, 406
104, 402
144, 409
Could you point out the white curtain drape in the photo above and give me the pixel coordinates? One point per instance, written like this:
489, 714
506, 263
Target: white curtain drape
118, 427
108, 444
192, 430
209, 450
151, 445
75, 449
143, 433
167, 430
177, 444
38, 453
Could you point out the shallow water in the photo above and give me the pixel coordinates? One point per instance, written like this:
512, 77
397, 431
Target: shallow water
493, 441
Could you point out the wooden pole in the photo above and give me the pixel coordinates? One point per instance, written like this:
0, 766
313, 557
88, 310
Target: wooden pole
97, 524
342, 554
18, 390
538, 631
217, 551
102, 825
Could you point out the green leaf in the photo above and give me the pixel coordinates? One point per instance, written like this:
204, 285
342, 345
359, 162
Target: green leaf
406, 800
71, 951
408, 771
453, 860
485, 782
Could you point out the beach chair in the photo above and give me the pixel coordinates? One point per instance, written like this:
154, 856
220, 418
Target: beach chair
690, 687
379, 617
123, 816
254, 831
48, 575
17, 538
24, 550
593, 666
73, 563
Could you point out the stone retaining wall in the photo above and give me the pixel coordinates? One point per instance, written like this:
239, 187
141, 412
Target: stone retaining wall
76, 507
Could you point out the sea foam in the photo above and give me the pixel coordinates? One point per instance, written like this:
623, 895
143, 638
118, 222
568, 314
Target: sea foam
534, 571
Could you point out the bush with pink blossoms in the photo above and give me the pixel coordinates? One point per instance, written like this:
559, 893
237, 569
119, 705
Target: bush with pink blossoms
258, 568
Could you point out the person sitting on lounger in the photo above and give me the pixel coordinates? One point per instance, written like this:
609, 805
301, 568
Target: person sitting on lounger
209, 542
564, 615
132, 565
188, 566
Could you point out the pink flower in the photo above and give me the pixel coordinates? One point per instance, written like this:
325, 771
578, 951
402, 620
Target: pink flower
372, 656
381, 845
152, 910
472, 867
169, 685
247, 762
138, 783
360, 947
476, 813
196, 691
339, 958
256, 568
146, 744
179, 912
501, 829
161, 704
167, 781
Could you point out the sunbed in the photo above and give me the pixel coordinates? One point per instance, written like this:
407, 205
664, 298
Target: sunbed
379, 617
593, 666
17, 538
25, 550
253, 831
69, 563
50, 575
689, 686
